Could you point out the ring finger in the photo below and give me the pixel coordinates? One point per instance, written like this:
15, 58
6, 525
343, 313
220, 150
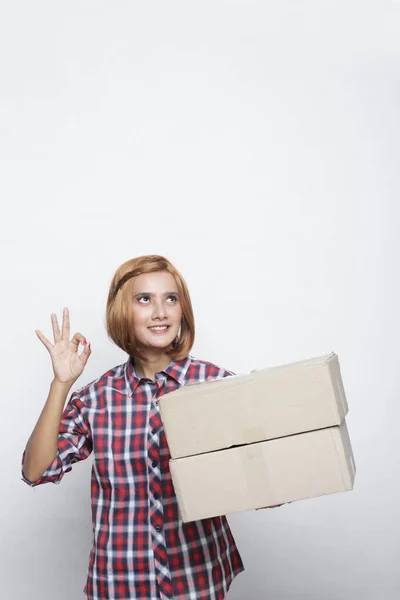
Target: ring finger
56, 329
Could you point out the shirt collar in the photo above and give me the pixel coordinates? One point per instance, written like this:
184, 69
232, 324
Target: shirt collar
176, 369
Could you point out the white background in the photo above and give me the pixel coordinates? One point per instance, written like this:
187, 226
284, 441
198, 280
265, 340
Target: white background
256, 145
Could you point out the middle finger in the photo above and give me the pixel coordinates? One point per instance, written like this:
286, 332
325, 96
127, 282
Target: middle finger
65, 325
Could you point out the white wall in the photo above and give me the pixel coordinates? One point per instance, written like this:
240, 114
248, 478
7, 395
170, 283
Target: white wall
255, 144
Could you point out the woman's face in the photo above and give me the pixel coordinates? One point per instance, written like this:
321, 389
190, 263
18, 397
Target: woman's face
157, 311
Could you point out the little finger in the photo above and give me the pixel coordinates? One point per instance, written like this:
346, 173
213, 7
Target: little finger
44, 340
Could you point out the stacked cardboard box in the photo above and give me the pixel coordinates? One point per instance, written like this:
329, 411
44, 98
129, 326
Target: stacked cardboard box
260, 439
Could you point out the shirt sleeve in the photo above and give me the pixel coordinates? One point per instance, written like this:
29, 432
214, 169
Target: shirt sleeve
224, 373
74, 443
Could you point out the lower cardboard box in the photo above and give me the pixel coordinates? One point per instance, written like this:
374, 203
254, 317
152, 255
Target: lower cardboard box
263, 474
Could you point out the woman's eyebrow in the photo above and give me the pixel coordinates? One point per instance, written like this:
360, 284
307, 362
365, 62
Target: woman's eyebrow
152, 294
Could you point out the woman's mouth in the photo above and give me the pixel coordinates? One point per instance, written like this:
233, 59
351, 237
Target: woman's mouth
159, 329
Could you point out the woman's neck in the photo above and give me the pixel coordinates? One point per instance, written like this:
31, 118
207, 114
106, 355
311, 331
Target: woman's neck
150, 364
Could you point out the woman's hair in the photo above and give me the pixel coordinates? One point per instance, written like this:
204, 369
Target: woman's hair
119, 306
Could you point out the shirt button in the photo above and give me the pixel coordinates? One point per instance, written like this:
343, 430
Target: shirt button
158, 529
154, 463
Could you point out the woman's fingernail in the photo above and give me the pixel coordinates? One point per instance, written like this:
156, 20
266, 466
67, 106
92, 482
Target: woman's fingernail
84, 342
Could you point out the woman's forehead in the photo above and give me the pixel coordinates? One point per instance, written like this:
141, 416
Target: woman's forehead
156, 281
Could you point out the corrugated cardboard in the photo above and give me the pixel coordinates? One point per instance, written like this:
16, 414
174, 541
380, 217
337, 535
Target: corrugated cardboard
264, 474
257, 406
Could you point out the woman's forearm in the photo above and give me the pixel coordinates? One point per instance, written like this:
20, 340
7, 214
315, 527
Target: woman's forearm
42, 445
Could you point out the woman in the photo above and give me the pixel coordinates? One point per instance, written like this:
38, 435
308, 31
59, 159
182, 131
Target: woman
141, 548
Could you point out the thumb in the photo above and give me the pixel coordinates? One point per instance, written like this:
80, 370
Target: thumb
84, 357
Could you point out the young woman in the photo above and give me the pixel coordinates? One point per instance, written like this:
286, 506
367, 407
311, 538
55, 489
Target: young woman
141, 548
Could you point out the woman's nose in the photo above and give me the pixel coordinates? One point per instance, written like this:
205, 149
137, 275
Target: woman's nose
159, 310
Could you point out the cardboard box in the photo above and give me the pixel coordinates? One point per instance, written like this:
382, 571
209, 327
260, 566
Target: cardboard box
264, 474
254, 407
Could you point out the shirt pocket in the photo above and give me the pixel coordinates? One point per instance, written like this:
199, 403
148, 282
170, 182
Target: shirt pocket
102, 471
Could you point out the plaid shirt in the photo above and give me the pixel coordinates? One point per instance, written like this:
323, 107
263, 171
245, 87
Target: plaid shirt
141, 548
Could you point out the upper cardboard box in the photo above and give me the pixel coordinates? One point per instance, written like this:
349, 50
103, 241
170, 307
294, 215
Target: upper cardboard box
258, 406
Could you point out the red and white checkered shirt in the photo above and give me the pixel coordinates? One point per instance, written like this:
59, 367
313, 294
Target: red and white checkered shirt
141, 548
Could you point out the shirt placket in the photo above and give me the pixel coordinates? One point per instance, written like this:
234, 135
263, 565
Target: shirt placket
155, 492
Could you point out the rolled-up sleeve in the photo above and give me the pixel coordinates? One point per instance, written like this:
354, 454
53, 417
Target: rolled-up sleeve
74, 443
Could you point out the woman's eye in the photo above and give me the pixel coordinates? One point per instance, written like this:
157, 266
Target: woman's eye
143, 299
173, 298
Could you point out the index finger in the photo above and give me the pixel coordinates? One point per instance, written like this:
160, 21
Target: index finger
65, 325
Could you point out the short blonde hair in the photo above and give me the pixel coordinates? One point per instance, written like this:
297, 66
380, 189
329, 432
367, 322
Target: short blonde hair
119, 306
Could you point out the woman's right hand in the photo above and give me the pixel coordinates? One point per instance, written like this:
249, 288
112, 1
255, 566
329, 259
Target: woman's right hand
67, 364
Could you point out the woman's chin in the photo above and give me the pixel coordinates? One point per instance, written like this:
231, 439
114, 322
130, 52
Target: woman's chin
157, 344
